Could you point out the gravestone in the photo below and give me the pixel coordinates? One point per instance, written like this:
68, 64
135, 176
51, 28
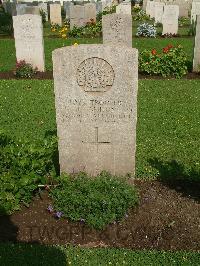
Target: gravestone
99, 7
171, 9
196, 60
77, 16
195, 10
159, 10
21, 9
90, 12
170, 20
28, 33
32, 10
151, 9
55, 14
96, 108
124, 8
117, 29
44, 8
66, 6
144, 5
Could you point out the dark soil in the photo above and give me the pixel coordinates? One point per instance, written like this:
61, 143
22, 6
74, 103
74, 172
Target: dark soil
166, 218
38, 75
49, 75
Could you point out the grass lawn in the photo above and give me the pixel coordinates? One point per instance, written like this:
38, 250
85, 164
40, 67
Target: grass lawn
7, 48
23, 254
168, 120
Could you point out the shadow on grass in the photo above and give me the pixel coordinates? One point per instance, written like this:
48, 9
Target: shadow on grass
175, 176
17, 253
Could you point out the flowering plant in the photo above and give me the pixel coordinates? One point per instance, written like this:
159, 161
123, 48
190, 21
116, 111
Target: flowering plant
24, 70
146, 30
171, 61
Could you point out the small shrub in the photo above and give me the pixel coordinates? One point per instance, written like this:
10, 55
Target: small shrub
24, 70
92, 29
97, 201
172, 61
183, 21
43, 15
22, 167
141, 16
146, 30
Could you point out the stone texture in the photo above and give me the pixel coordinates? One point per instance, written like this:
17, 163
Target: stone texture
44, 8
55, 14
171, 9
124, 8
117, 29
20, 9
77, 16
96, 108
90, 12
196, 60
195, 10
159, 10
170, 19
28, 33
66, 6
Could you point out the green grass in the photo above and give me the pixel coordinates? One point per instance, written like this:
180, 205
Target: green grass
7, 48
168, 119
26, 254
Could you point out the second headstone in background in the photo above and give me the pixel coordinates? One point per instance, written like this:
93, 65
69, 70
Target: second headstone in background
55, 14
29, 44
117, 29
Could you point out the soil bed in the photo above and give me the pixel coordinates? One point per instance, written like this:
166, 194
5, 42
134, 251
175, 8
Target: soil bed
167, 218
49, 75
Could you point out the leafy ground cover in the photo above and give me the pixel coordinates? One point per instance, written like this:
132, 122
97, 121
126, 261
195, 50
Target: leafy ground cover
168, 120
67, 255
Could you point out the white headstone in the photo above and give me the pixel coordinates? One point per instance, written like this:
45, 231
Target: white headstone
55, 14
43, 7
96, 108
77, 16
117, 29
196, 60
28, 33
159, 10
124, 8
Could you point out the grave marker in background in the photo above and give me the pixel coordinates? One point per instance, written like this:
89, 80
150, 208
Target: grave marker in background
28, 33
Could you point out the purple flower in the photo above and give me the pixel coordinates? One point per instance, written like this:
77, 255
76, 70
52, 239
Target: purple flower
58, 214
50, 208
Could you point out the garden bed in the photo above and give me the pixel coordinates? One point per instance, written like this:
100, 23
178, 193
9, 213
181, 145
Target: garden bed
167, 218
49, 75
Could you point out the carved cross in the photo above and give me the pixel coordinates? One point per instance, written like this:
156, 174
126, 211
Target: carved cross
96, 141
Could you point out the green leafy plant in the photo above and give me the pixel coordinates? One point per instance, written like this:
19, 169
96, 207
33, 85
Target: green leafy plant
95, 201
141, 16
183, 21
24, 70
22, 167
172, 61
92, 29
43, 15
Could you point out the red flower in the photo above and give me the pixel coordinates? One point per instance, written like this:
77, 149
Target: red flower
154, 52
165, 50
170, 46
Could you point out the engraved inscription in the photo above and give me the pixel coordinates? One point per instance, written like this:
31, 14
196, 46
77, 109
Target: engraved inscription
97, 111
95, 75
116, 24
